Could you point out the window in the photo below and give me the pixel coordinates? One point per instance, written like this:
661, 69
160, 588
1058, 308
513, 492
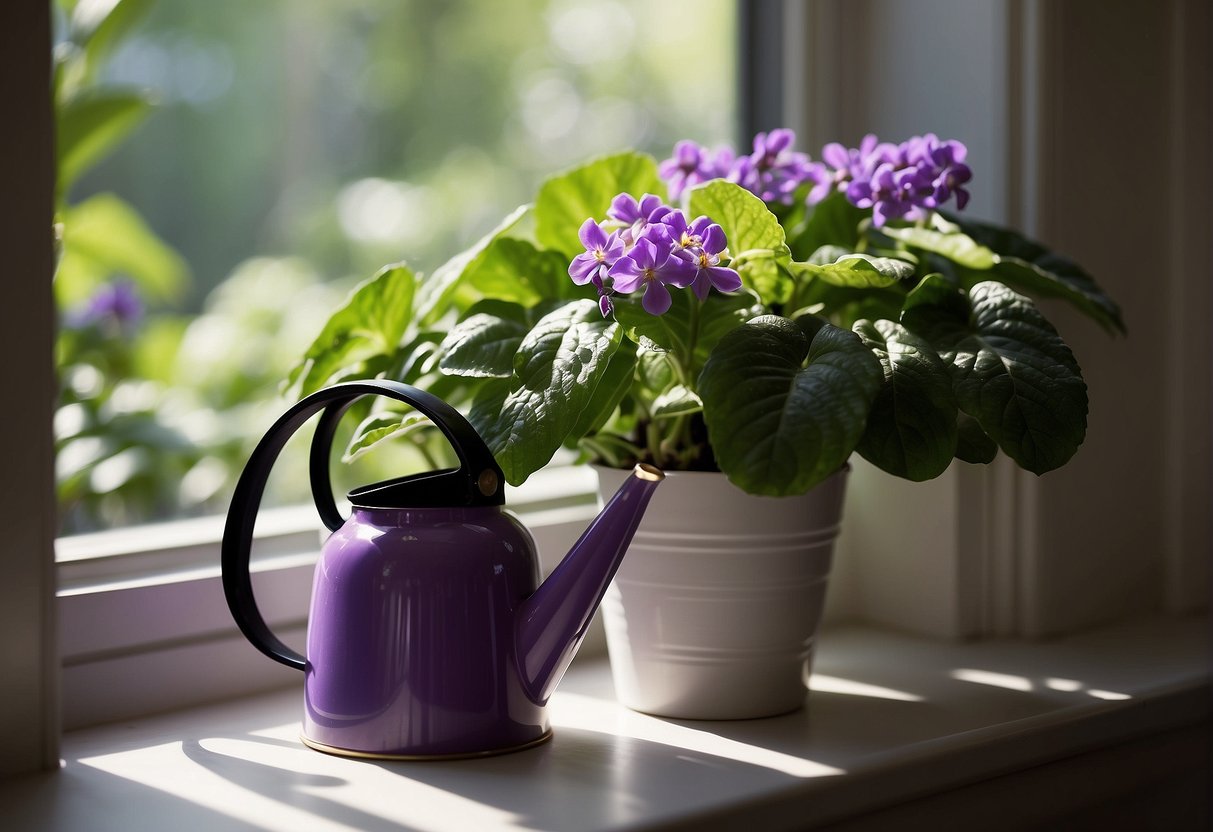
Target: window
295, 149
1147, 462
338, 138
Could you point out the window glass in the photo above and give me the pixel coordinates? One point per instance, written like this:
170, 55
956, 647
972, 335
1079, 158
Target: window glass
294, 147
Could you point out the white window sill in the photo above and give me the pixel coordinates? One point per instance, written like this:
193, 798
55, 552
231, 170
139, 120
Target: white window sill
991, 735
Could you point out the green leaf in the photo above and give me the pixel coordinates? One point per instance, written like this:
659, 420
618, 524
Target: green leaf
911, 430
755, 237
103, 236
557, 368
615, 384
786, 402
833, 222
482, 345
436, 291
1027, 266
370, 324
101, 26
859, 271
514, 270
957, 247
569, 199
1011, 372
90, 124
677, 401
379, 427
674, 331
973, 445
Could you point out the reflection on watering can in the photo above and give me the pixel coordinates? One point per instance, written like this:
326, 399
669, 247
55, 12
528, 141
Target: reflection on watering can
429, 633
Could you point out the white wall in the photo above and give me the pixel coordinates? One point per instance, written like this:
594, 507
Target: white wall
1088, 126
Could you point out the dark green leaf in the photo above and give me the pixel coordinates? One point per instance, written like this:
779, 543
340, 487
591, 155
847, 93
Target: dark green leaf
1027, 266
677, 401
675, 330
1011, 372
911, 429
482, 346
557, 368
973, 445
784, 410
615, 384
569, 199
833, 222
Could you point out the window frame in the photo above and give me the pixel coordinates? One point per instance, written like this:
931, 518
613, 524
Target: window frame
988, 575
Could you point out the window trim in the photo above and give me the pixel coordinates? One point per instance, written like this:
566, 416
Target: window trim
29, 686
988, 580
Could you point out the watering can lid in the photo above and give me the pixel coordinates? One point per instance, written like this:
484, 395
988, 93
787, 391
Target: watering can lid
445, 488
477, 482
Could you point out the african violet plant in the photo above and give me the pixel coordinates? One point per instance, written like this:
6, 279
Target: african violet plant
767, 317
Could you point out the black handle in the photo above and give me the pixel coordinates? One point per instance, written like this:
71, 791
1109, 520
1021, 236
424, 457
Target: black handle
477, 482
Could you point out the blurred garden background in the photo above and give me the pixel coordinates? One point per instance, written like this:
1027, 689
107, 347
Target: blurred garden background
228, 171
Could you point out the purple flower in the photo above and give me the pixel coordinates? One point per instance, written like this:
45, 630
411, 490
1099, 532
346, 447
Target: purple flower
705, 257
898, 181
601, 252
113, 306
775, 171
692, 164
652, 266
689, 166
626, 209
944, 163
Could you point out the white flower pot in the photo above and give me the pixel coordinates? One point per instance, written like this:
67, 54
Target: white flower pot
714, 612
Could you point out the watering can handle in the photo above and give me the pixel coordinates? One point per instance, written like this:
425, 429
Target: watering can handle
478, 480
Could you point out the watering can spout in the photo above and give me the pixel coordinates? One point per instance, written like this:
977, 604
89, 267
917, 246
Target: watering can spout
553, 621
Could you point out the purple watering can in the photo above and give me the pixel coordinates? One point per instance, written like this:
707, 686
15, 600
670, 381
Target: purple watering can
429, 633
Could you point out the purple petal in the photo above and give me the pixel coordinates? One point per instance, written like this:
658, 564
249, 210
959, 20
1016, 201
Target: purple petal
624, 208
591, 235
725, 280
583, 267
656, 300
605, 306
714, 240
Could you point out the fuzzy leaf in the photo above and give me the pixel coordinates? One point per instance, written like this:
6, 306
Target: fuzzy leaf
911, 430
482, 346
557, 368
1027, 266
1011, 372
786, 402
833, 222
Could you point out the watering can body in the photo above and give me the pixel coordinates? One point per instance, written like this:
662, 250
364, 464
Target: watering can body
429, 633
